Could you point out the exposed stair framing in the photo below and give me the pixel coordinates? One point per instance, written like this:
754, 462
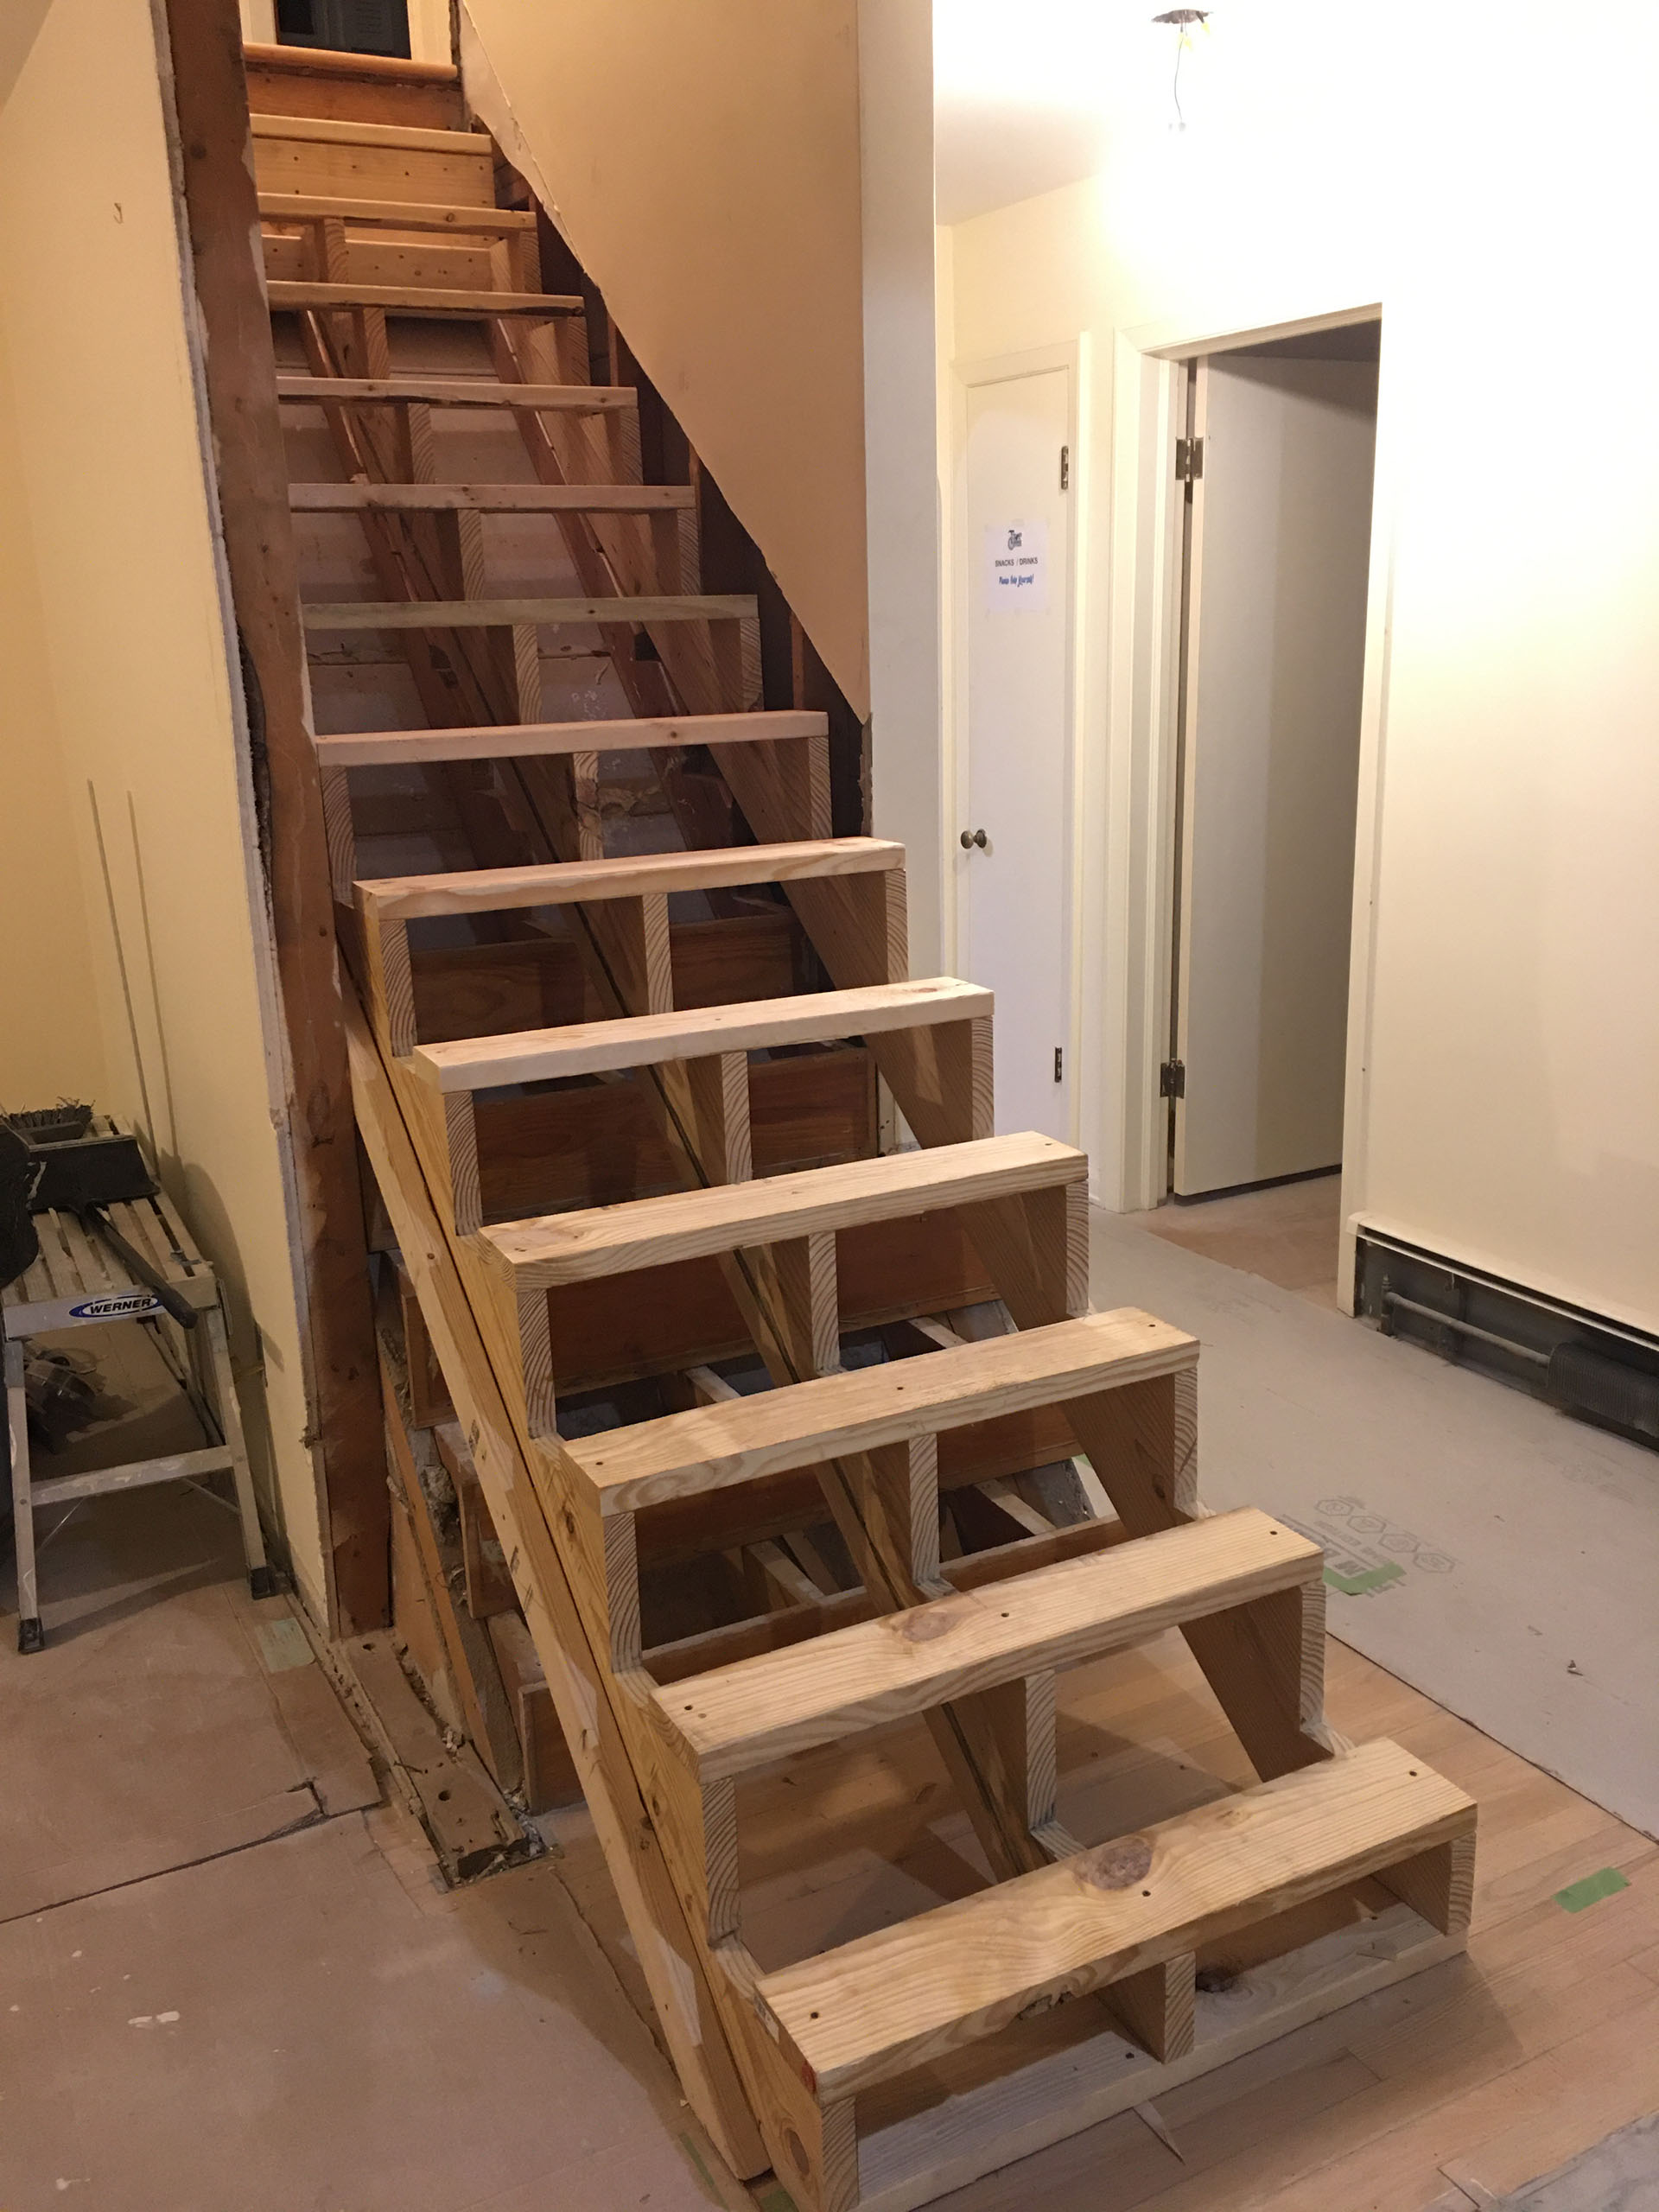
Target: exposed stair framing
904, 2062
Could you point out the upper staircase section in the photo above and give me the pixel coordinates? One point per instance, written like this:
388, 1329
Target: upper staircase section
353, 87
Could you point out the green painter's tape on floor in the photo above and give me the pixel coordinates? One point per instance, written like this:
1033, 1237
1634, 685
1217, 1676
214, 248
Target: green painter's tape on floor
696, 2158
775, 2199
282, 1644
1591, 1889
1362, 1586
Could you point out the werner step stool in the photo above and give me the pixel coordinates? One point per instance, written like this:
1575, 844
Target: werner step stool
78, 1281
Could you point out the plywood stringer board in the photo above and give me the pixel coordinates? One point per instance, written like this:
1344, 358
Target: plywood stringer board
585, 1701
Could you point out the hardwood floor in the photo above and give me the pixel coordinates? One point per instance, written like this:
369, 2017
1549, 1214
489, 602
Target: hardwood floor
1488, 2070
1287, 1232
1445, 2092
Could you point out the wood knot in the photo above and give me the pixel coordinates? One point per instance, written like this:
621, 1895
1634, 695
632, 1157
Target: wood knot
797, 2150
923, 1623
1040, 2005
1117, 1866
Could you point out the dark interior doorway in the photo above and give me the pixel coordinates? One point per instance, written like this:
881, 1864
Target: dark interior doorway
346, 26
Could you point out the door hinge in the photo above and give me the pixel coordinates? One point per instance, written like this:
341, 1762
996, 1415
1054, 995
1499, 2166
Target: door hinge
1189, 459
1065, 468
1059, 1064
1172, 1079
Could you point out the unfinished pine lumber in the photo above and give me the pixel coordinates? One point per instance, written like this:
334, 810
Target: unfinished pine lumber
490, 498
395, 215
457, 392
591, 1048
298, 292
520, 741
663, 1373
503, 613
894, 2001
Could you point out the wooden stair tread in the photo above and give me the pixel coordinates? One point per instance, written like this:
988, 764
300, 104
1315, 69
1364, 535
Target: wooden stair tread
893, 2000
399, 215
759, 1710
509, 741
482, 891
740, 1439
692, 1224
503, 613
491, 498
289, 292
330, 61
393, 137
459, 391
642, 1040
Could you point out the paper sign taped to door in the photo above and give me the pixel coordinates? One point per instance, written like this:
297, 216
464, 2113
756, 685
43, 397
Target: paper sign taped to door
1016, 565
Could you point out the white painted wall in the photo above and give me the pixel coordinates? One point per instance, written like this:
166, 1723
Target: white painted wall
1484, 177
895, 74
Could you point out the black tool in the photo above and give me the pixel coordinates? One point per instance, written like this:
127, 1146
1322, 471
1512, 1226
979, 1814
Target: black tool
19, 1246
77, 1173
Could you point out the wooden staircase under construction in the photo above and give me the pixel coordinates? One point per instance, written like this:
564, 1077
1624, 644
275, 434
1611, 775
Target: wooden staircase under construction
626, 995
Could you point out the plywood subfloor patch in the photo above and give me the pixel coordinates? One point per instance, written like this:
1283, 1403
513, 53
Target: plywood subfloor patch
153, 1730
312, 2023
1512, 2060
1286, 1234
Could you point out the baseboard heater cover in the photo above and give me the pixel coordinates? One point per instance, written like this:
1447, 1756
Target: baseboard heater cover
1592, 1368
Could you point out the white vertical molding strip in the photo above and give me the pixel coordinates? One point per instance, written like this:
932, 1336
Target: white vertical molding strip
1093, 887
895, 45
948, 397
431, 35
1368, 840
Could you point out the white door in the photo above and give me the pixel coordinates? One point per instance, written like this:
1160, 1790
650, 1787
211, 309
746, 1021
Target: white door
1013, 879
1281, 549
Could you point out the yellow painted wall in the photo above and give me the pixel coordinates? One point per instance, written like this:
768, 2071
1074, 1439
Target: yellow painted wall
703, 162
1485, 175
51, 1025
130, 643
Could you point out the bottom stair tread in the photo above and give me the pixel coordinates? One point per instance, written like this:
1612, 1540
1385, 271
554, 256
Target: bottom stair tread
896, 1999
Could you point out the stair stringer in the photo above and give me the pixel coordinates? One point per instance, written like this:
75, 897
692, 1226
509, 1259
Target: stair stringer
705, 2004
582, 1690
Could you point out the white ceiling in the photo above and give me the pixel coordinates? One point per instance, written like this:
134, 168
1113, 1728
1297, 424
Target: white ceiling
1025, 92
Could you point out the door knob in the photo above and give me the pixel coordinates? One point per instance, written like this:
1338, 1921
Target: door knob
972, 837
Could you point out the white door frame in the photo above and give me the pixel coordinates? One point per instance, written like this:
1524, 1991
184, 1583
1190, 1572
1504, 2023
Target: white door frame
966, 376
1143, 623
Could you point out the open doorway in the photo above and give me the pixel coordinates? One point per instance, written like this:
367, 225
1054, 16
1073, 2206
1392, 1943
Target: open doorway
1277, 452
378, 27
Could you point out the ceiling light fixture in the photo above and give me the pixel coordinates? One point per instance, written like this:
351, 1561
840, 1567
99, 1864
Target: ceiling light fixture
1183, 19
